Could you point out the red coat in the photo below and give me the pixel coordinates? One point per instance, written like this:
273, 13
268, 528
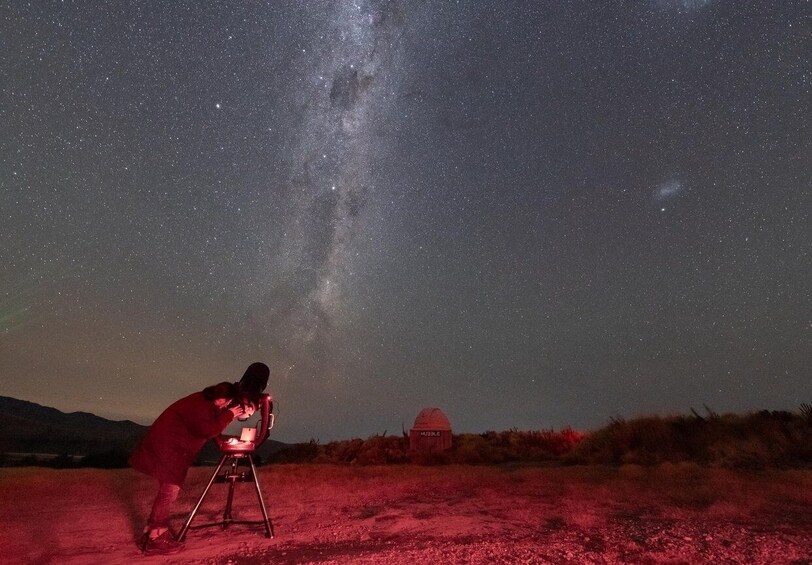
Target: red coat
177, 436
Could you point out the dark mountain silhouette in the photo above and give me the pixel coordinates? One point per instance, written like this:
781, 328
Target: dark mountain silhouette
27, 427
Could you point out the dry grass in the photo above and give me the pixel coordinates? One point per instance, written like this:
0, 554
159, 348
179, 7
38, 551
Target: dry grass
761, 440
754, 441
468, 449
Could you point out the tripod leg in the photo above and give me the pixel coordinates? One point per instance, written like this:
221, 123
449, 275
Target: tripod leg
185, 528
268, 525
229, 499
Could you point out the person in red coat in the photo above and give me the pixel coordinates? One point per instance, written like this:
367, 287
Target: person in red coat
171, 446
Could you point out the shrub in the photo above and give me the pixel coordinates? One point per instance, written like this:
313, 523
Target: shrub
297, 453
753, 441
487, 448
376, 450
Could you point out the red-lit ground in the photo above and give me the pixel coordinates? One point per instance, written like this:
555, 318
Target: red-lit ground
406, 514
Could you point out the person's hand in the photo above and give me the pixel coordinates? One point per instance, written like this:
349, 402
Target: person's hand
237, 410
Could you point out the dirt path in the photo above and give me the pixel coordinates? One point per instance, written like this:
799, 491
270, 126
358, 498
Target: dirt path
405, 514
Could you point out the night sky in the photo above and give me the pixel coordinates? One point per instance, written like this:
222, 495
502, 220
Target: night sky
529, 214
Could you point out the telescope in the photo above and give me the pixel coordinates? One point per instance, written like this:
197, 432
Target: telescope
240, 450
250, 438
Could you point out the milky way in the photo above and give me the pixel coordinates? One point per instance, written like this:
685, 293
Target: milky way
349, 71
529, 214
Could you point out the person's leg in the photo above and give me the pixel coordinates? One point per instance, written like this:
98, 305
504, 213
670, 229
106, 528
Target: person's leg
159, 518
158, 540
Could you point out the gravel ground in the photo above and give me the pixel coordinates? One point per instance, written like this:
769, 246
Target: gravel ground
629, 542
414, 515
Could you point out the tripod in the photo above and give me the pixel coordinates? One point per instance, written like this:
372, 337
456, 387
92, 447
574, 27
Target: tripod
235, 452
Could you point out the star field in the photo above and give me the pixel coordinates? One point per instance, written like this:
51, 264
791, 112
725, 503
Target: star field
528, 214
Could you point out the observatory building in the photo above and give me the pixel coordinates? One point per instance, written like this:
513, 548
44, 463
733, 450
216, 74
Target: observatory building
431, 431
